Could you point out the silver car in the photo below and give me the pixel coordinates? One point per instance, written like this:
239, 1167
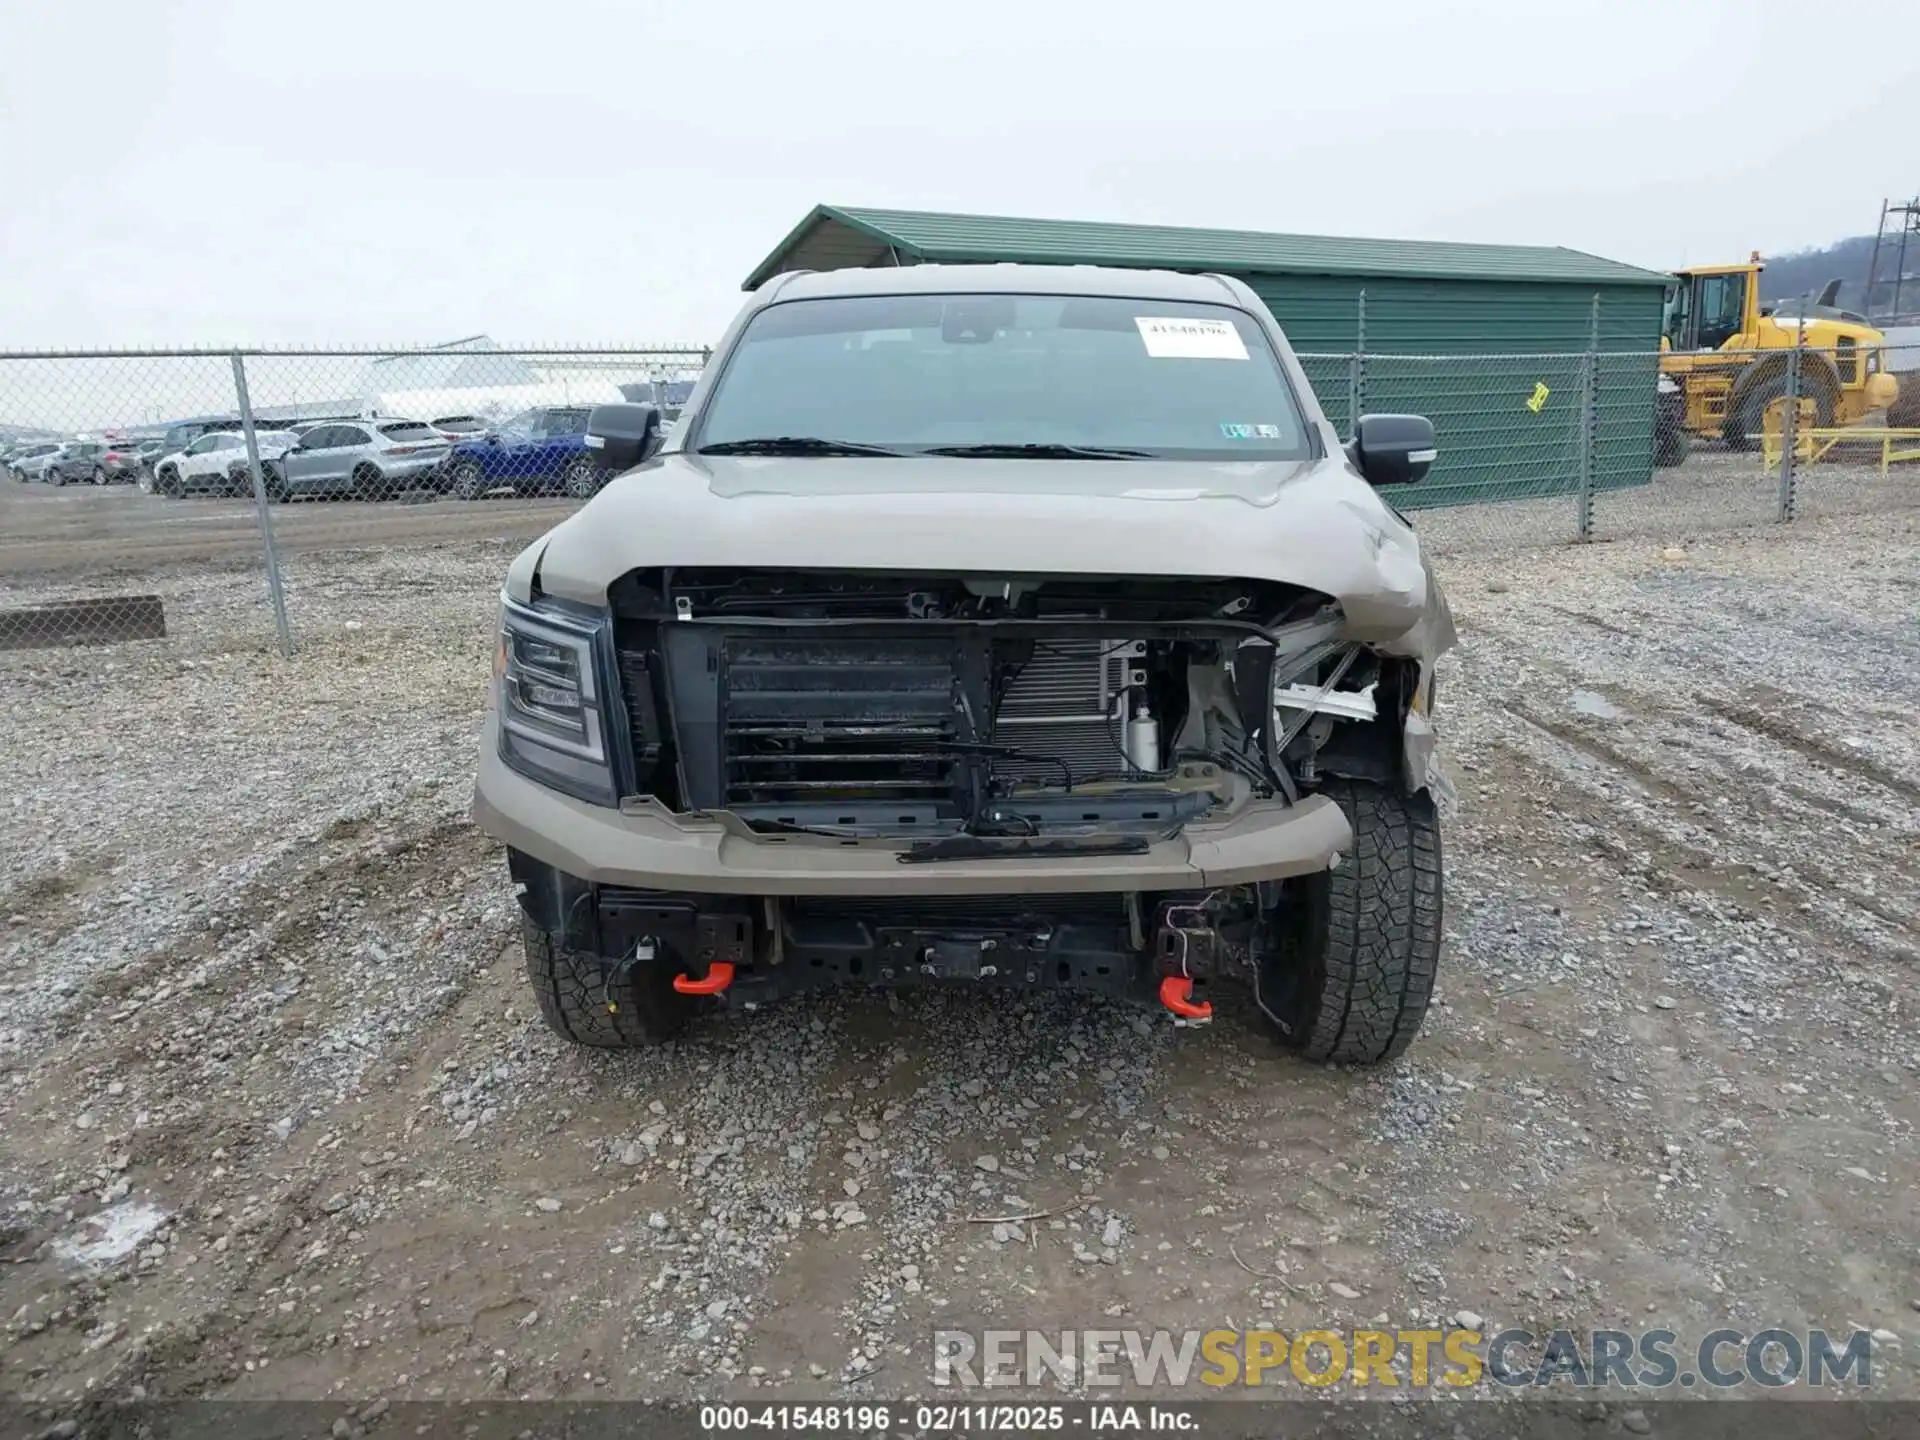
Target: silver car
368, 459
29, 461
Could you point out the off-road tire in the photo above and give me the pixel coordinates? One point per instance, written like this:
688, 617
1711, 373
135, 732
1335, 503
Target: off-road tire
571, 988
1671, 446
1749, 417
1351, 956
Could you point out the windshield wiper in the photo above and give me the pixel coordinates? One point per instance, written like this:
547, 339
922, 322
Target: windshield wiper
1036, 452
793, 445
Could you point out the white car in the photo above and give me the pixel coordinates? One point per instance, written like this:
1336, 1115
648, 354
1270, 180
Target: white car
207, 465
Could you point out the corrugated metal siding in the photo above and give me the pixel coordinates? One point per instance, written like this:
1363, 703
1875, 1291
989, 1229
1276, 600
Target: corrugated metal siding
1491, 345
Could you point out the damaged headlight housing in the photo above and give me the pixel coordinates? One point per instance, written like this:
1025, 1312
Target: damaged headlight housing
552, 701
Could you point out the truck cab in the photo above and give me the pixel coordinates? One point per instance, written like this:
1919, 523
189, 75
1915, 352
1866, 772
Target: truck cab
1731, 358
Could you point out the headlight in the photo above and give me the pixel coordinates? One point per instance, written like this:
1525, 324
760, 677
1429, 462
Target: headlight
552, 703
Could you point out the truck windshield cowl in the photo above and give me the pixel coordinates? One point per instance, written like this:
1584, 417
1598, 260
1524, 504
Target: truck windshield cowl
1040, 377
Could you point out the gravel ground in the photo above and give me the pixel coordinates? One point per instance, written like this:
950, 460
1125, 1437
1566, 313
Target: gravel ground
277, 1118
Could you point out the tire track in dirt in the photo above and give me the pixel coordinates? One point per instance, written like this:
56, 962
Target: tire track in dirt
1775, 726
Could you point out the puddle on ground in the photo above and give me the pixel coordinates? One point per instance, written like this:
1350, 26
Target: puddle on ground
1590, 702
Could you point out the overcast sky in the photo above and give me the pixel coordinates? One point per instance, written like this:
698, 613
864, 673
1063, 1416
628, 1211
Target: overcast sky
212, 172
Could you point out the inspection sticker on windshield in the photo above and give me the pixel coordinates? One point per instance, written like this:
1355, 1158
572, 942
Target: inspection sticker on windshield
1235, 431
1173, 337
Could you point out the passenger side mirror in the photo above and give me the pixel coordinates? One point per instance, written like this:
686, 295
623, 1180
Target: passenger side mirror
1393, 449
623, 435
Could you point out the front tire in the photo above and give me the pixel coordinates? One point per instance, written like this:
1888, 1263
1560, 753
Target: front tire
571, 988
1349, 962
467, 482
166, 484
581, 479
1671, 446
100, 477
369, 484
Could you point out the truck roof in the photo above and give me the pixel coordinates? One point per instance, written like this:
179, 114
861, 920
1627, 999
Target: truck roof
1003, 279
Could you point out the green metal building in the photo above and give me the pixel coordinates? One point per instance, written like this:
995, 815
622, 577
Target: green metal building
1488, 340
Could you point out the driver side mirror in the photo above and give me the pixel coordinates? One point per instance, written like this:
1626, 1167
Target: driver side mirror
1393, 449
623, 436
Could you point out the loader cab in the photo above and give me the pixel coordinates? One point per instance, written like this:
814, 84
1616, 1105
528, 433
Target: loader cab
1706, 308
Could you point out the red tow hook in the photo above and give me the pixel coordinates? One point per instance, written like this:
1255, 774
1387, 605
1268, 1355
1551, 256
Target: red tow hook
719, 977
1176, 993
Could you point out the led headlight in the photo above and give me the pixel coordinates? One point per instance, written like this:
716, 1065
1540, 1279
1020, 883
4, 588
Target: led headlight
553, 724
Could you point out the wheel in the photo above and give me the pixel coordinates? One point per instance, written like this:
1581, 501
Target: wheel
369, 484
56, 479
1749, 418
572, 990
167, 483
274, 481
581, 478
468, 481
1671, 446
1345, 967
100, 477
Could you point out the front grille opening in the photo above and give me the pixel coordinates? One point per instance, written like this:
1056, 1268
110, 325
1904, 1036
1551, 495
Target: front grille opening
812, 722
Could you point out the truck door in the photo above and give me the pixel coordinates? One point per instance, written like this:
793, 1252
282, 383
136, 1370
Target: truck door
1719, 308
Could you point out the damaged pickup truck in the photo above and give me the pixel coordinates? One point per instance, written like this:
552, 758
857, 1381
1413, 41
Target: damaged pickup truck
1026, 626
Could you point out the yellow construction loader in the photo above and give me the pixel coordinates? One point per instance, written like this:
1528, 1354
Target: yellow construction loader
1730, 357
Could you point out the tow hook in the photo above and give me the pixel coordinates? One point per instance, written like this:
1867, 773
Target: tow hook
1186, 937
719, 976
1176, 993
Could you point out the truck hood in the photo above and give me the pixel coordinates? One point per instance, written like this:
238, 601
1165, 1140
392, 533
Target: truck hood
1310, 523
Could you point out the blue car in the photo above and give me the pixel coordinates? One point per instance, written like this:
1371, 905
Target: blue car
535, 451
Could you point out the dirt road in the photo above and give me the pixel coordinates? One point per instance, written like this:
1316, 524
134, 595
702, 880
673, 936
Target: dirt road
265, 1046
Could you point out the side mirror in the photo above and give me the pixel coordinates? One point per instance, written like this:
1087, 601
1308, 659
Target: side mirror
623, 435
1393, 449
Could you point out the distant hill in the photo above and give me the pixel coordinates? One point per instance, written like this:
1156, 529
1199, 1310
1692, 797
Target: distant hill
1805, 272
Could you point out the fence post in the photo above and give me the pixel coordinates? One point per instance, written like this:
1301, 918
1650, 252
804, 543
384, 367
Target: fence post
1589, 417
1356, 369
1790, 425
260, 503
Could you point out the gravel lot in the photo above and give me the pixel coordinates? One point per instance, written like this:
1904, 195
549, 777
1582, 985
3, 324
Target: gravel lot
277, 1118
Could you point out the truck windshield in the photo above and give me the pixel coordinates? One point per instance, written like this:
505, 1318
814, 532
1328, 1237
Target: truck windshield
1055, 375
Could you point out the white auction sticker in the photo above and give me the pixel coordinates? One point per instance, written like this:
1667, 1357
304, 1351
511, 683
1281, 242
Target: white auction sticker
1173, 337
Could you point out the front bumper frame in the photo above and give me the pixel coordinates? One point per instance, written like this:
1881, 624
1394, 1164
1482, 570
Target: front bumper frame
644, 846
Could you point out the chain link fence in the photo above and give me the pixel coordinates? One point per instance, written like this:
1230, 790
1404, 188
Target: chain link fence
287, 499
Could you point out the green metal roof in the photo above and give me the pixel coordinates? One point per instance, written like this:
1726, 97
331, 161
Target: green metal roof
835, 236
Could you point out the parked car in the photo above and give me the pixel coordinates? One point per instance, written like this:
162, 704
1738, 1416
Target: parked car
1070, 646
119, 464
544, 449
207, 466
314, 422
179, 437
25, 462
370, 459
73, 463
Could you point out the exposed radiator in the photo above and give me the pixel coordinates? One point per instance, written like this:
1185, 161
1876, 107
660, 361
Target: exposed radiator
817, 720
1065, 704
